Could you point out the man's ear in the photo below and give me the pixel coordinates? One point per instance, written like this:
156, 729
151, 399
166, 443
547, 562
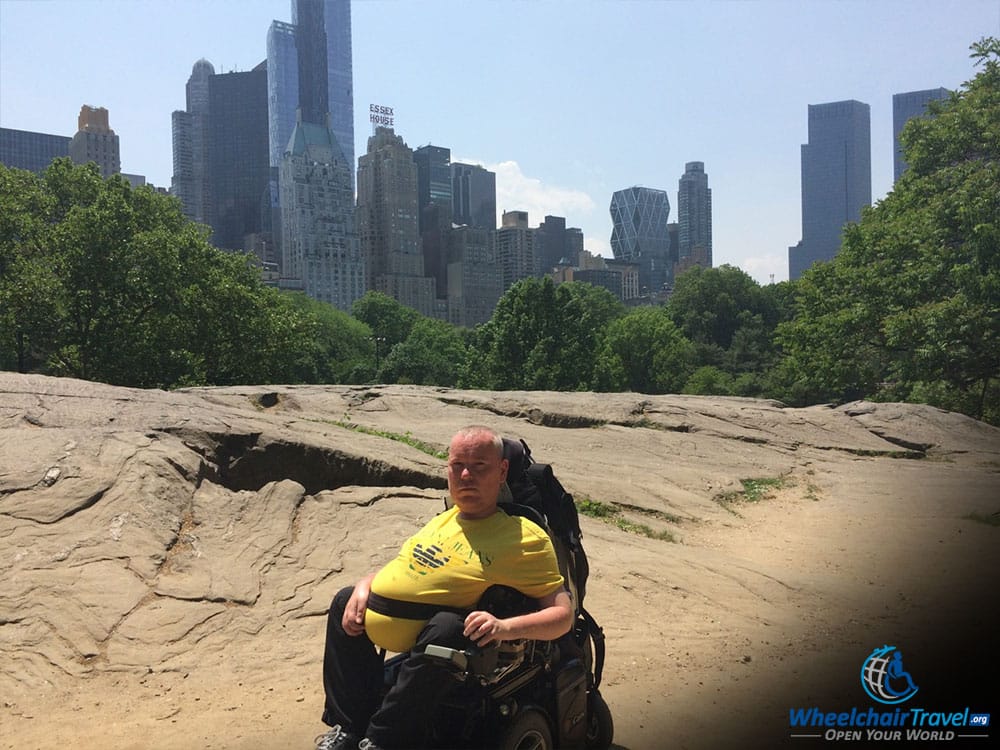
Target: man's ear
504, 465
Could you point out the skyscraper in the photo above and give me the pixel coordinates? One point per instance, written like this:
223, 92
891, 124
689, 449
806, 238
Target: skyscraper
475, 282
320, 245
309, 65
836, 180
237, 150
905, 107
694, 213
639, 234
190, 145
515, 245
25, 149
387, 222
434, 203
474, 196
95, 141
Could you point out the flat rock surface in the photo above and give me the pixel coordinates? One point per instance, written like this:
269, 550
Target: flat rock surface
168, 557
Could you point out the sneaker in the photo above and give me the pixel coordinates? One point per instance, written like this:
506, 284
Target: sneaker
335, 739
367, 744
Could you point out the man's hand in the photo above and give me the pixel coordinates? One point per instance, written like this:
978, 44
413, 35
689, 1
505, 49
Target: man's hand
354, 613
482, 628
553, 619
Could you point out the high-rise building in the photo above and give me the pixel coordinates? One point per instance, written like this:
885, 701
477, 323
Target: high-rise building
556, 244
639, 235
433, 176
694, 213
836, 180
95, 141
475, 283
190, 144
309, 64
388, 225
24, 149
434, 202
282, 88
320, 245
309, 78
515, 245
237, 151
474, 196
905, 107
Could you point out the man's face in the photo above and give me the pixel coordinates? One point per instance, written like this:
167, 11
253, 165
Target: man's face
475, 473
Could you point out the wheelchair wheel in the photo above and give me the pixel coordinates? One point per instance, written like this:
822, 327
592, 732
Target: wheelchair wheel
528, 730
600, 725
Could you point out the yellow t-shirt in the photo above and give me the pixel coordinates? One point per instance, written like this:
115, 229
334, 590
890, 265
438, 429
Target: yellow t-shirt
452, 561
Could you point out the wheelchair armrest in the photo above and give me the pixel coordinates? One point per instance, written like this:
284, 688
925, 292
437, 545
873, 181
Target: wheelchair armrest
488, 665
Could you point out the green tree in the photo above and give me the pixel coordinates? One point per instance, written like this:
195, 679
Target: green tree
709, 381
338, 347
105, 282
643, 351
433, 354
541, 337
388, 319
27, 279
710, 305
910, 307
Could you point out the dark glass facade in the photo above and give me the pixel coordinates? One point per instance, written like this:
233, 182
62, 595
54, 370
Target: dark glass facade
836, 180
237, 146
694, 213
474, 196
24, 149
905, 107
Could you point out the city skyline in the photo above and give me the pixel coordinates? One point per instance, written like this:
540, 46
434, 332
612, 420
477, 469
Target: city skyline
566, 112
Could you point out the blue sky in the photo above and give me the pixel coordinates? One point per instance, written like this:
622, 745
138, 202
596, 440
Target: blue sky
566, 101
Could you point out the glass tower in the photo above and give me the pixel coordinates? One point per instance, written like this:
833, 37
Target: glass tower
309, 65
190, 143
434, 204
639, 234
474, 196
238, 168
694, 214
25, 149
905, 107
836, 180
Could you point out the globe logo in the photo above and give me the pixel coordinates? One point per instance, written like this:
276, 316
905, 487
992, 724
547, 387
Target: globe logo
883, 676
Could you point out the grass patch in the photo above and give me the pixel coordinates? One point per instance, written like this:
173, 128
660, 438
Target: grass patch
612, 514
754, 490
990, 519
407, 438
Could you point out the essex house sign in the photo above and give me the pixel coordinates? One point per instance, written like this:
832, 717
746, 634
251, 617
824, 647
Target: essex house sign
380, 116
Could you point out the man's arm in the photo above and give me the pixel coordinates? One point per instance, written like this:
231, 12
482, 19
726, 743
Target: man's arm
553, 618
354, 612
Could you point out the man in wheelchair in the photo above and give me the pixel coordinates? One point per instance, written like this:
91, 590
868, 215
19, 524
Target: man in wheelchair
425, 605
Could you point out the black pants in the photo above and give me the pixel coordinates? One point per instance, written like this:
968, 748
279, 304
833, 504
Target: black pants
353, 680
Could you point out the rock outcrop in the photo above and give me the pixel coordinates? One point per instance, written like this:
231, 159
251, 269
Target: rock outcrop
147, 531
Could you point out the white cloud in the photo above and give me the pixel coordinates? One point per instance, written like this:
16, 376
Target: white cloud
518, 192
598, 246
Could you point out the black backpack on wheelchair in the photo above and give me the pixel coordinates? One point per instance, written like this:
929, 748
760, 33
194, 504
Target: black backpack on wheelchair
521, 695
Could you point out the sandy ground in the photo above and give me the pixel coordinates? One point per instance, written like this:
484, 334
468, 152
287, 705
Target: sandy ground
710, 641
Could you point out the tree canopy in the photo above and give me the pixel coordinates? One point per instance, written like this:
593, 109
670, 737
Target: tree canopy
105, 282
910, 307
